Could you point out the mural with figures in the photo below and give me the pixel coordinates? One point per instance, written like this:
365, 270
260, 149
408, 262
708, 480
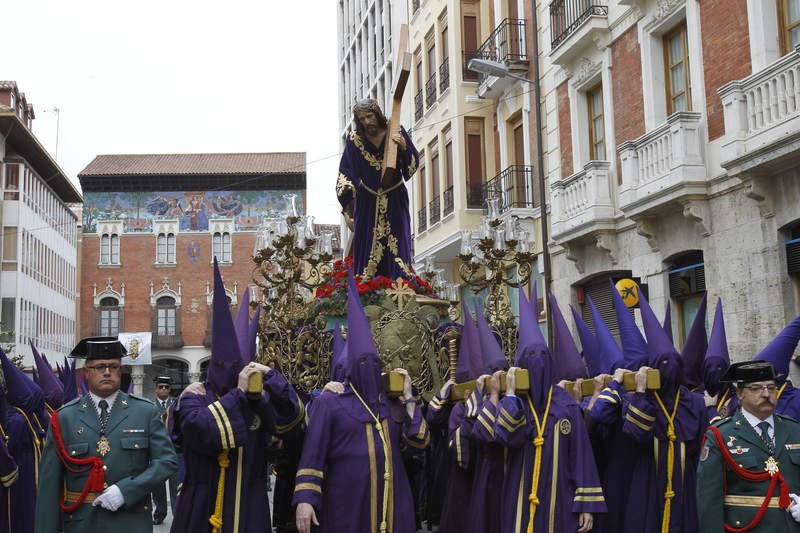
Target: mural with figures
193, 209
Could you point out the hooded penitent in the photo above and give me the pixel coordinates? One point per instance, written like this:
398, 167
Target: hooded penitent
663, 355
21, 391
779, 351
717, 360
469, 365
533, 354
363, 364
567, 359
52, 388
634, 347
606, 356
338, 355
226, 362
491, 352
242, 325
694, 349
70, 384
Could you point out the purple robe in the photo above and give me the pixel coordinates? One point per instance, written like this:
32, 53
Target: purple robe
341, 470
379, 234
487, 482
645, 422
206, 426
788, 401
568, 480
618, 451
24, 448
460, 464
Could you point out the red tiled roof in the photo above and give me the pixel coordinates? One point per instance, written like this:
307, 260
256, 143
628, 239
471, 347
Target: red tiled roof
196, 164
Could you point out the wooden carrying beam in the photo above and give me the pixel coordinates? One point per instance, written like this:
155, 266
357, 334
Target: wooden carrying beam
393, 383
461, 391
628, 382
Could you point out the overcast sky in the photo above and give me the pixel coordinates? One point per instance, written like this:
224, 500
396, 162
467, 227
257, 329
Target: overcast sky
178, 76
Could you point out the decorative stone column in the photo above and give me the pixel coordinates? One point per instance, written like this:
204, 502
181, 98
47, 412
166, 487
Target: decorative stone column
137, 377
194, 376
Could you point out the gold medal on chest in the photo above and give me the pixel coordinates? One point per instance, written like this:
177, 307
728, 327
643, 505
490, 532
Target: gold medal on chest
103, 446
771, 466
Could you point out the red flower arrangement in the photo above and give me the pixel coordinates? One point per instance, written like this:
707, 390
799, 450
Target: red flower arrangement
332, 295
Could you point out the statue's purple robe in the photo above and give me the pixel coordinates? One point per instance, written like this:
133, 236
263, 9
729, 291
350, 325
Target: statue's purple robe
619, 452
380, 232
460, 463
644, 421
207, 425
567, 464
341, 470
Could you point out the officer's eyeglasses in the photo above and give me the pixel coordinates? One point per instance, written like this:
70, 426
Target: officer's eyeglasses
163, 386
756, 389
102, 368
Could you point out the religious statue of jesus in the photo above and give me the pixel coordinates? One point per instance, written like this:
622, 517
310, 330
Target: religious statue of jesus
377, 211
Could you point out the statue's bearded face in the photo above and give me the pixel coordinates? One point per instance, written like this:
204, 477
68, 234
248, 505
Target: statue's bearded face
369, 121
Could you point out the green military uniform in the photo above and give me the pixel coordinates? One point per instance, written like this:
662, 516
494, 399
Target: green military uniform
141, 457
724, 496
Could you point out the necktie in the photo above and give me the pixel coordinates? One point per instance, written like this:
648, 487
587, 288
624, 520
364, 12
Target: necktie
103, 405
764, 428
164, 404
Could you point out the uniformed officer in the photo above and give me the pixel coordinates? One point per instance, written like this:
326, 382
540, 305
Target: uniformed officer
750, 462
107, 450
163, 401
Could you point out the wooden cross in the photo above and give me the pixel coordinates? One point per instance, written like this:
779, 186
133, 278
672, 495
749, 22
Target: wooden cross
403, 61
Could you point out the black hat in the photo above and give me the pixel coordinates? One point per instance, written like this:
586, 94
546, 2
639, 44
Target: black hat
163, 379
99, 348
749, 372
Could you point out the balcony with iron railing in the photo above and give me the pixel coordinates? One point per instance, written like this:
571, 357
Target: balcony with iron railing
444, 75
419, 106
582, 204
435, 210
513, 187
762, 118
575, 25
507, 45
663, 166
422, 220
448, 202
414, 6
430, 91
467, 74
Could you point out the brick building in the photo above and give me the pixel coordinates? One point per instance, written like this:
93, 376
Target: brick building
671, 154
38, 238
151, 227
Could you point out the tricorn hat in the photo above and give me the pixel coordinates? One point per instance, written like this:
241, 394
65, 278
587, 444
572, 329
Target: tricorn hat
91, 348
163, 379
749, 372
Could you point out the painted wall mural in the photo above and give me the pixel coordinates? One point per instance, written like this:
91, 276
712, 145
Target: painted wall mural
193, 209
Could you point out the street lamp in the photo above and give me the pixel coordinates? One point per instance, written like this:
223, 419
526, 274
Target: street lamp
500, 70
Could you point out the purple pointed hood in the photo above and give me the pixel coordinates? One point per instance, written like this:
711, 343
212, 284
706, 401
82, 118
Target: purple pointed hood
634, 347
663, 355
242, 326
667, 325
491, 352
226, 361
590, 349
533, 354
338, 368
694, 350
21, 391
779, 351
363, 363
52, 388
70, 383
608, 355
470, 364
568, 362
717, 361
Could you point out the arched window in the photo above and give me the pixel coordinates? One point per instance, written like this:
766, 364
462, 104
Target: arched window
166, 316
109, 249
222, 247
109, 316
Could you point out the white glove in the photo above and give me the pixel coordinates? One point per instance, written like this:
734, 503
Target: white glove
110, 499
795, 507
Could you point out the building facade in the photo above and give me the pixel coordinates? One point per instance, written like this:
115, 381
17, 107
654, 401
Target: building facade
671, 156
39, 238
152, 225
